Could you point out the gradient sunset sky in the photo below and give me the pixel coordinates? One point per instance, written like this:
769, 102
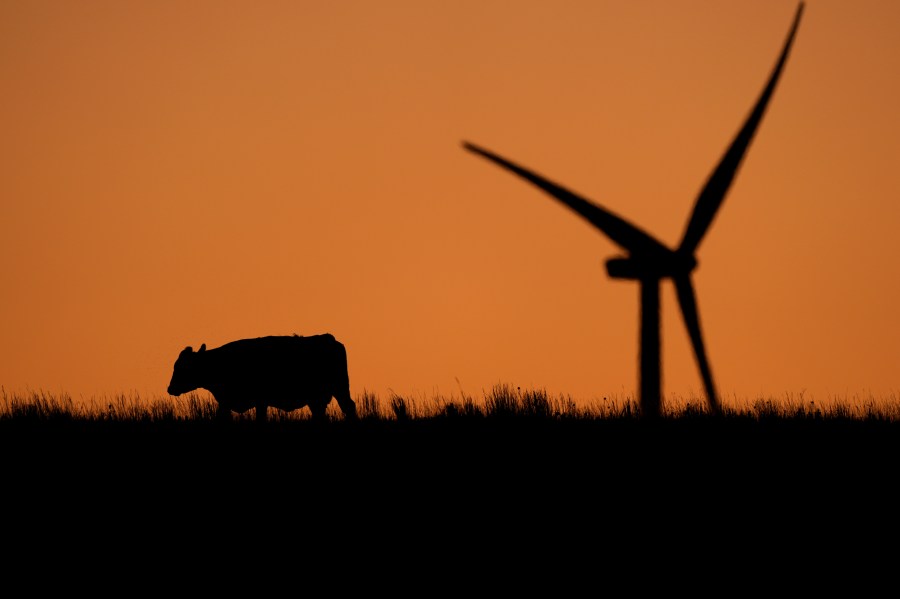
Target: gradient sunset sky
179, 173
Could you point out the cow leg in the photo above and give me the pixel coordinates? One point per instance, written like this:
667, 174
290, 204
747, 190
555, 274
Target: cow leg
261, 412
223, 414
318, 409
348, 406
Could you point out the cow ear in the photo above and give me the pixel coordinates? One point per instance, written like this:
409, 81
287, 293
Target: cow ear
202, 348
187, 350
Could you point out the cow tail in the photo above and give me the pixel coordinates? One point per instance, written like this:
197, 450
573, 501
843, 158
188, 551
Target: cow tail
342, 382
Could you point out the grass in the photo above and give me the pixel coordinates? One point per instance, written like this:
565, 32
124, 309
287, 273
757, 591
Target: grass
501, 403
513, 455
506, 430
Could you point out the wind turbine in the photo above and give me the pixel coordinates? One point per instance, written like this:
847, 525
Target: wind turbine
648, 261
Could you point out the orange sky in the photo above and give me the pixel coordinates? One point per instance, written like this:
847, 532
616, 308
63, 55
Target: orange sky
178, 173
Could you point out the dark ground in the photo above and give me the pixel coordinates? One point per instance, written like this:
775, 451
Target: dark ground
452, 498
479, 456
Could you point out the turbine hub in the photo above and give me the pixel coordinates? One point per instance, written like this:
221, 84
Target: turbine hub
662, 266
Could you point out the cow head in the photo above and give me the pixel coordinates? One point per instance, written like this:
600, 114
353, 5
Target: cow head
186, 376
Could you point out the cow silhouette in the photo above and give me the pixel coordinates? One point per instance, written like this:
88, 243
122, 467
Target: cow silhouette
285, 372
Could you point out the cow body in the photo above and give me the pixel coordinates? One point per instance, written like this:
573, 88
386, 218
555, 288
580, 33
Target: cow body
285, 372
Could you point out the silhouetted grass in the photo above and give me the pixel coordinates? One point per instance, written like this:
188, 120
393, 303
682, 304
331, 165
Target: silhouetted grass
506, 430
502, 403
510, 451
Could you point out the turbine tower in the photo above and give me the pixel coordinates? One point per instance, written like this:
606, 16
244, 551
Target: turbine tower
648, 261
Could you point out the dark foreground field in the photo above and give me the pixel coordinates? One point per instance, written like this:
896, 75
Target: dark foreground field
516, 484
514, 444
723, 461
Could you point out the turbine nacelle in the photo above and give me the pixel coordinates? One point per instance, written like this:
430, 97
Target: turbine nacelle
639, 268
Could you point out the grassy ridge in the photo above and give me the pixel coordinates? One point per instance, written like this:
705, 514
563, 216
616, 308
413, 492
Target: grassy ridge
509, 430
516, 471
500, 403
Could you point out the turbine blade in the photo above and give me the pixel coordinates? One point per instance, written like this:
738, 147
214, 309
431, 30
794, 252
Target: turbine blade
720, 180
616, 228
688, 303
